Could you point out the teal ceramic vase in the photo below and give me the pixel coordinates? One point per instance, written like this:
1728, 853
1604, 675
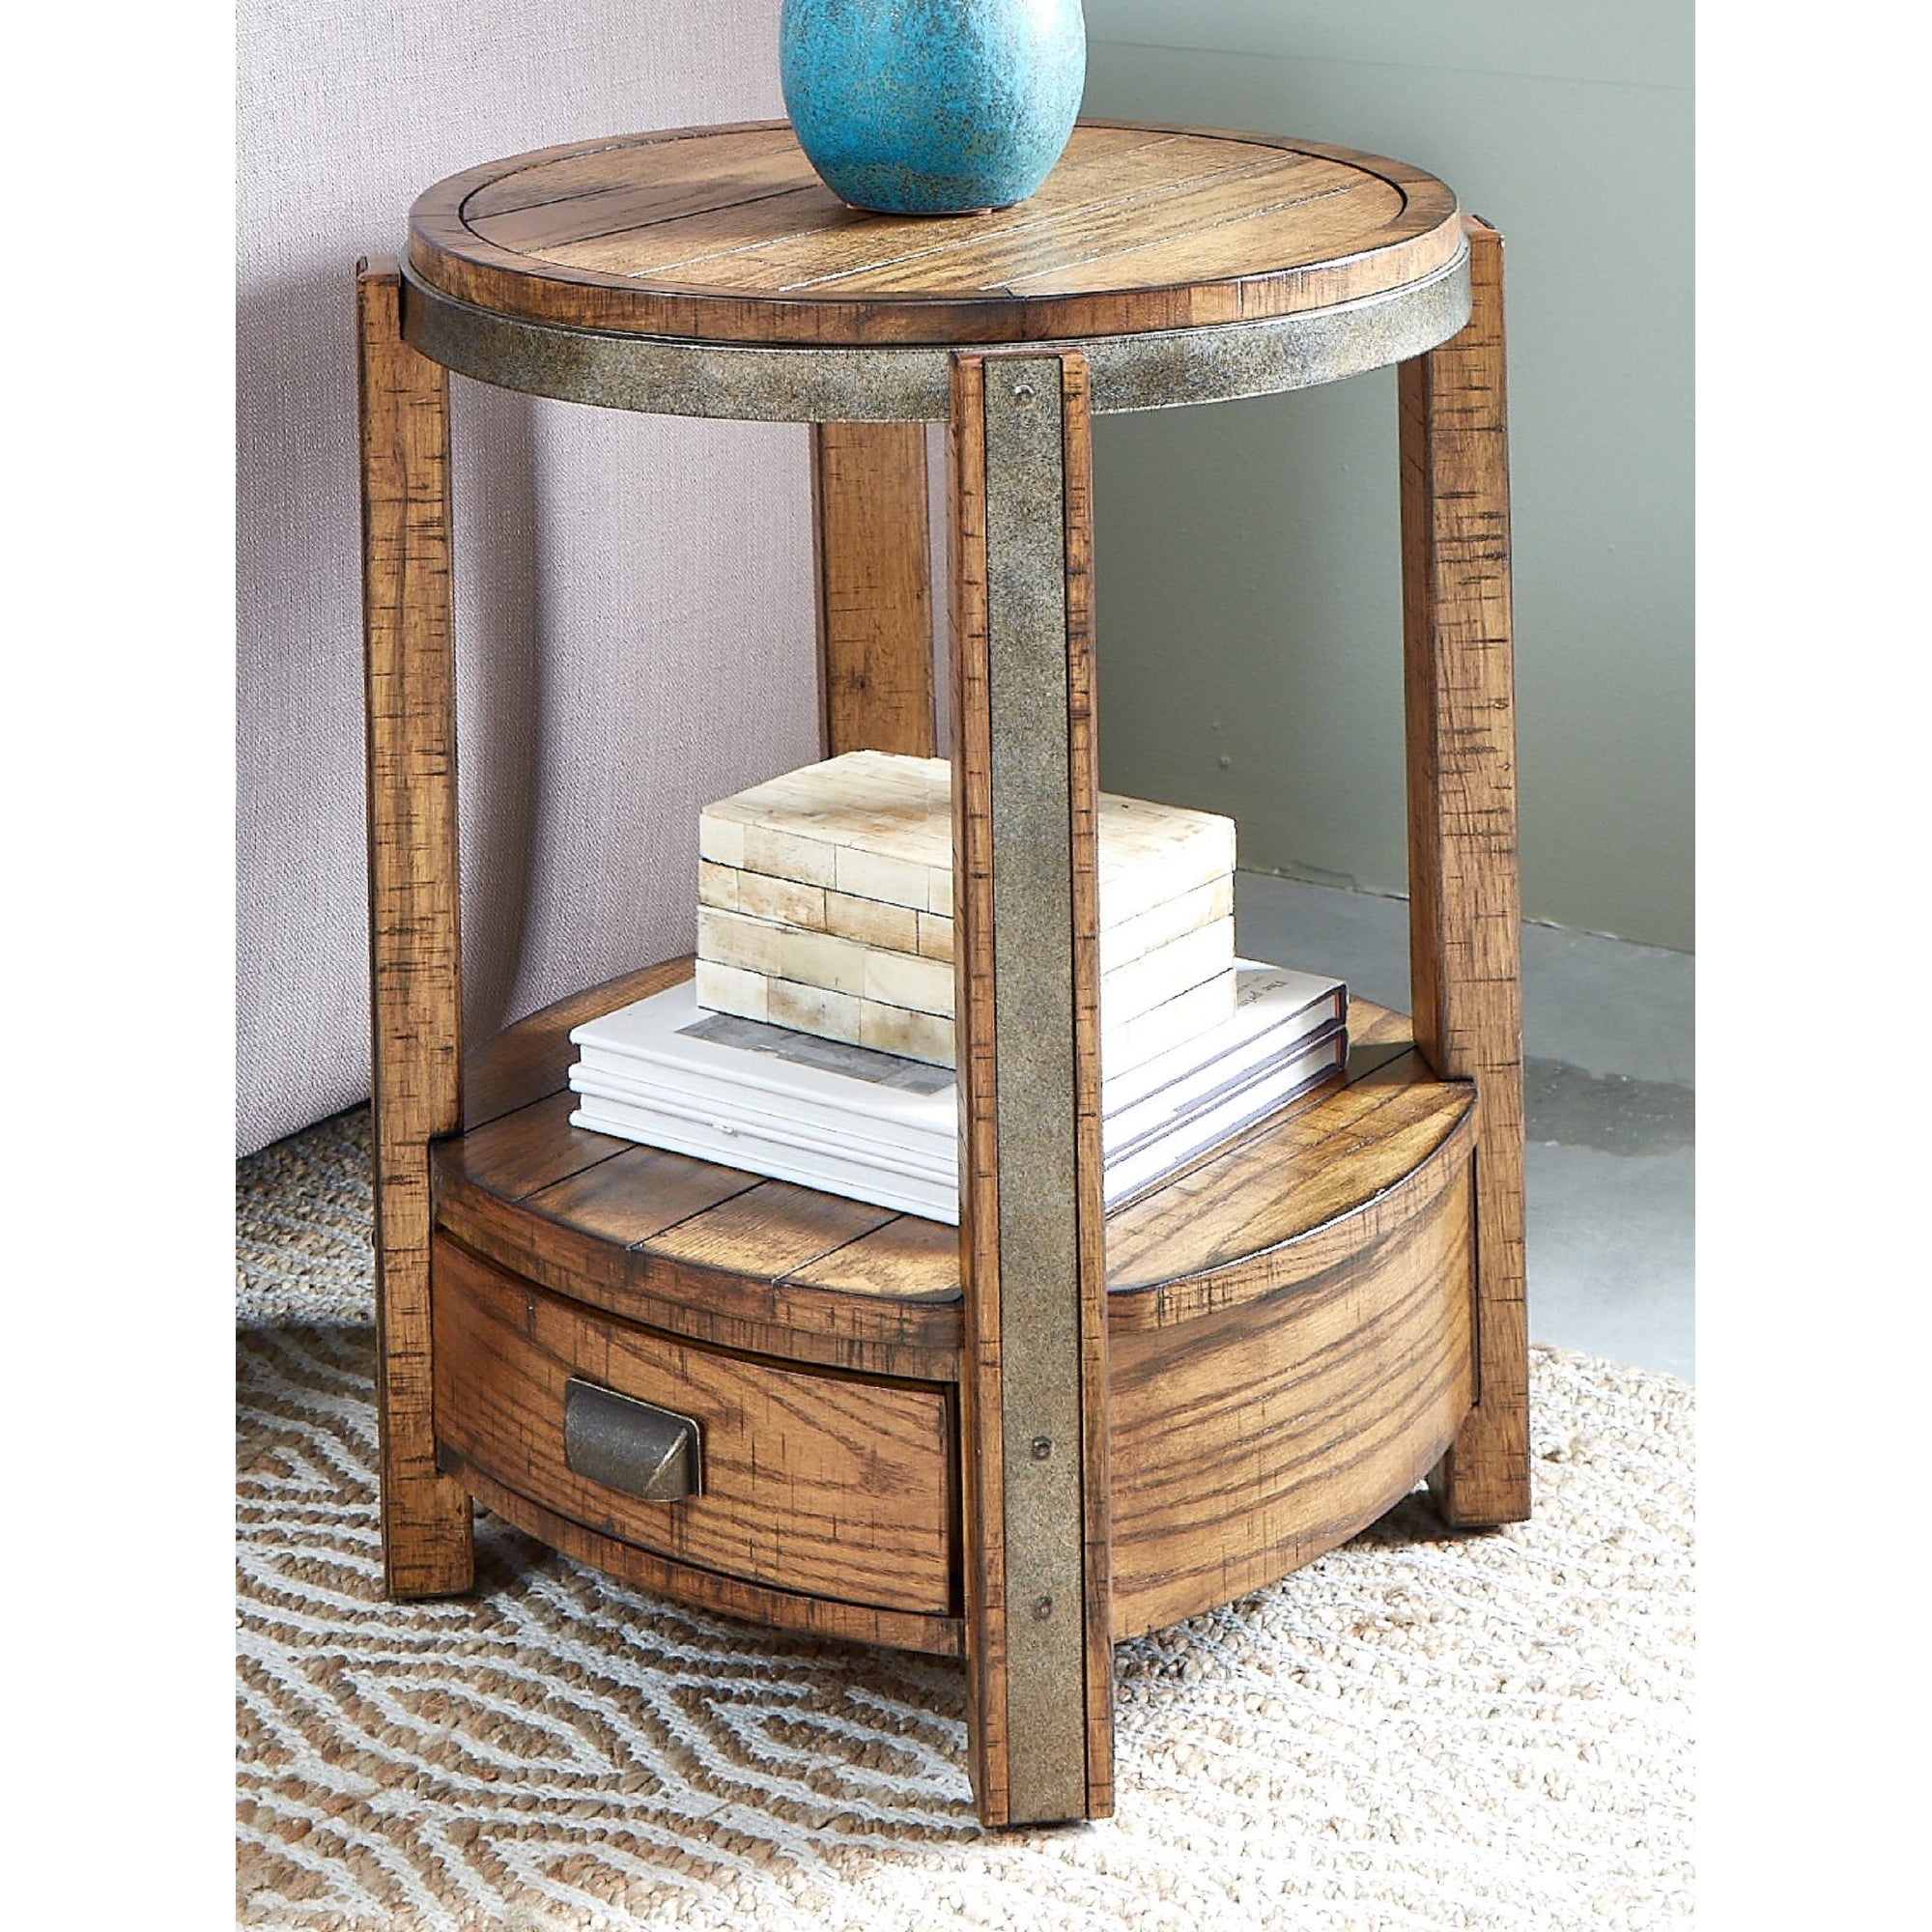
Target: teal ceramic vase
932, 106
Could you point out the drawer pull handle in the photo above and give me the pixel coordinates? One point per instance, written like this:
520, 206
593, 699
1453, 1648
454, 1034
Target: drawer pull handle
646, 1452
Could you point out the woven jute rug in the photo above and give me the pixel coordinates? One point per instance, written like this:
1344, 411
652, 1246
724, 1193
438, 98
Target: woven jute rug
1419, 1730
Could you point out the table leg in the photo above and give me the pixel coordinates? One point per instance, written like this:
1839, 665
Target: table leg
874, 587
415, 952
1464, 907
1033, 1382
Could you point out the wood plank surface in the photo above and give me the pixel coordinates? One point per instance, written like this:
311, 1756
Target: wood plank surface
1341, 1166
773, 1227
869, 516
636, 1193
414, 948
1464, 908
1086, 227
595, 188
907, 1260
1026, 925
1214, 1235
535, 1146
683, 1245
728, 236
787, 1320
530, 1059
808, 233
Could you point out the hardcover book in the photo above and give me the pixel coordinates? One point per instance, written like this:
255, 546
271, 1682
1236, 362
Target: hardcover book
884, 1128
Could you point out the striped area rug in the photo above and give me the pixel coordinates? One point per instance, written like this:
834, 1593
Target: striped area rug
1415, 1731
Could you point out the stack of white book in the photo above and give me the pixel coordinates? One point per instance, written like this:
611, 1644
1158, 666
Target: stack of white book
825, 905
883, 1129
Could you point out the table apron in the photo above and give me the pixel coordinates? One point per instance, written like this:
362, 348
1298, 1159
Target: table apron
752, 383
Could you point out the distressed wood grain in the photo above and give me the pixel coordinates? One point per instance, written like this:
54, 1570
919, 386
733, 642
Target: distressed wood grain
688, 1583
829, 1485
869, 516
1287, 1424
726, 234
414, 947
1338, 1166
1464, 907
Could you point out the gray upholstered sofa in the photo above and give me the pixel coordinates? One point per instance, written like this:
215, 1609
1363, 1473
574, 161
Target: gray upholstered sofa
634, 595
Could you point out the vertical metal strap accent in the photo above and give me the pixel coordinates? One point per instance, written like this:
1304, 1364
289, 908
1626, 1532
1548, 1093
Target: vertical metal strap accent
1030, 1227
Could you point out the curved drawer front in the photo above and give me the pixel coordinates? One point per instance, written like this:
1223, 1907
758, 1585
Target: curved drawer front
823, 1483
1250, 1440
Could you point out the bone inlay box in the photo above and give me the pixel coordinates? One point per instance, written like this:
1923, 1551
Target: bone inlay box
825, 904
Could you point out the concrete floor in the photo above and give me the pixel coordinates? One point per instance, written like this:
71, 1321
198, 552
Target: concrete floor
1609, 1080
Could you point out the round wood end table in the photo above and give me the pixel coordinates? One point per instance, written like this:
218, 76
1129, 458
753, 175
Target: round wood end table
1020, 1440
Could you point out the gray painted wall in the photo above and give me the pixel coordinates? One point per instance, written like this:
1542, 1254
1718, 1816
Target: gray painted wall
1248, 601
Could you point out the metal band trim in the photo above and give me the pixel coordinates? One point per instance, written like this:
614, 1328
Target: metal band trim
1160, 369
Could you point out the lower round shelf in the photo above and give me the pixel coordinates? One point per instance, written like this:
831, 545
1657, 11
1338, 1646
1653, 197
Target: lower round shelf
1290, 1333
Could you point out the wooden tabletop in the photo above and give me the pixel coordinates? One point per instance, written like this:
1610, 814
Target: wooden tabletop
726, 235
